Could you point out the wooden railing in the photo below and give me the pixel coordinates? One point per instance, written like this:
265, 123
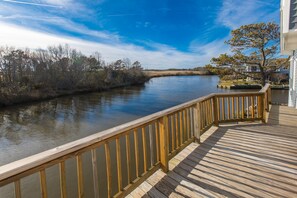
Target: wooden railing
122, 157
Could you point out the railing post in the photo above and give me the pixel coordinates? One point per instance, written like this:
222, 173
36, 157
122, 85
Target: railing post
197, 120
266, 101
263, 107
163, 131
268, 98
215, 111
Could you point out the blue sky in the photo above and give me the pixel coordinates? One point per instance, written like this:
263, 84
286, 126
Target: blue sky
160, 34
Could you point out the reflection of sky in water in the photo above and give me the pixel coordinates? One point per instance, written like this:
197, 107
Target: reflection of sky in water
32, 128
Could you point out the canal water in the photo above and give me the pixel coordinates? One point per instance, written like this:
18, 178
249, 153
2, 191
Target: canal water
32, 128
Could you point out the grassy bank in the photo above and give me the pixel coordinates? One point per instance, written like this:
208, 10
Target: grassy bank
161, 73
46, 94
243, 84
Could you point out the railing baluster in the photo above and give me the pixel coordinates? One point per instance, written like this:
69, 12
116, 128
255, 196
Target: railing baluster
247, 107
172, 133
237, 107
267, 101
197, 119
80, 183
215, 111
259, 115
253, 107
211, 101
119, 164
136, 152
95, 173
269, 97
63, 189
181, 128
176, 130
128, 157
202, 113
228, 108
157, 141
263, 105
223, 108
17, 189
219, 108
188, 124
242, 107
200, 116
43, 186
210, 111
185, 126
233, 107
191, 122
108, 169
151, 145
206, 113
144, 149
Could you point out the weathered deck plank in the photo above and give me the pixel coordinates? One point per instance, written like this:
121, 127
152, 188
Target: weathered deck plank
241, 160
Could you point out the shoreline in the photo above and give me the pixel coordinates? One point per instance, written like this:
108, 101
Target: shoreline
164, 73
243, 84
39, 95
43, 95
253, 86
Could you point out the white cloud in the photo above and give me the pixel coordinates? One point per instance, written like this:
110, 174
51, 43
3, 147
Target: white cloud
162, 57
215, 47
235, 13
58, 2
31, 3
65, 24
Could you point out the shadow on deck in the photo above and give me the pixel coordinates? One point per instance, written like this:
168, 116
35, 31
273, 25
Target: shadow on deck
242, 160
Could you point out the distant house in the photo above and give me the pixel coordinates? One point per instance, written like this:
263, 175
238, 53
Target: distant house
289, 44
252, 68
240, 69
279, 75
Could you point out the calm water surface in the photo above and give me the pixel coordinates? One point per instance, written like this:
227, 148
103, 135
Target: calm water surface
30, 129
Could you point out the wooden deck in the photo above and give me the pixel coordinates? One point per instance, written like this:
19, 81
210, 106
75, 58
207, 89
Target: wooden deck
239, 160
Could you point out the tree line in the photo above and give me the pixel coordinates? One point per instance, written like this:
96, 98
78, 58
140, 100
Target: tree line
25, 73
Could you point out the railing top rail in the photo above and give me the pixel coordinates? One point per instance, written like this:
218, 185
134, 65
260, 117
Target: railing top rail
27, 163
265, 88
230, 94
17, 167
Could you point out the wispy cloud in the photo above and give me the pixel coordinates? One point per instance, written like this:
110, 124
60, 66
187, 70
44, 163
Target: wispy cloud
65, 24
235, 13
122, 15
58, 2
32, 3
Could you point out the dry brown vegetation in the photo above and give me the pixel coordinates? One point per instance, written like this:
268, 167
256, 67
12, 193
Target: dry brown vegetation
160, 73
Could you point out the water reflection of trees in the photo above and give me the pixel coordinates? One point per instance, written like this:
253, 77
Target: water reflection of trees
61, 117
